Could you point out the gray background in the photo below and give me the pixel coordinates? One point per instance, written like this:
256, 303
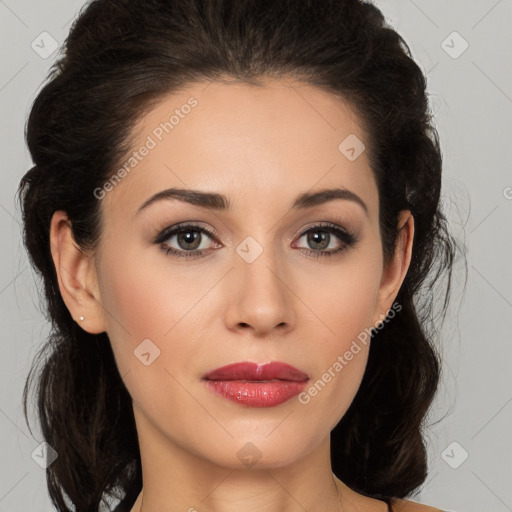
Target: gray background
471, 96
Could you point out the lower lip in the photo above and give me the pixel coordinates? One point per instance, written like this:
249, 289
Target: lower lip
256, 394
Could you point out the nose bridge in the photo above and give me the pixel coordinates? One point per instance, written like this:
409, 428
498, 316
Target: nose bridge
260, 295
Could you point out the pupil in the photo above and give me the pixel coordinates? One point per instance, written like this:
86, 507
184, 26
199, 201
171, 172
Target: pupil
189, 237
319, 237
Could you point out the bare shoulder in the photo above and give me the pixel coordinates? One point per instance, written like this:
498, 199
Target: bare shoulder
402, 505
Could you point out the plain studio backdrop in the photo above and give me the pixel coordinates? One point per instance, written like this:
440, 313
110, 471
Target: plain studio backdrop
465, 48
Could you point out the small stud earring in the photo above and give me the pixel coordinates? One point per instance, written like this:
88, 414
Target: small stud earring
81, 317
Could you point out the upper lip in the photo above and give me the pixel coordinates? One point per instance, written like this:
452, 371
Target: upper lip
254, 371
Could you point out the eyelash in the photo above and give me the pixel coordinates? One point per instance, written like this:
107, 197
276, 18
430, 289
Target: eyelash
348, 239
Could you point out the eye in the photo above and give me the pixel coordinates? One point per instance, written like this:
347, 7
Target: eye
189, 239
320, 237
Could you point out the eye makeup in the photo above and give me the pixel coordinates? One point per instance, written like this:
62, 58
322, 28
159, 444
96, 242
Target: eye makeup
190, 233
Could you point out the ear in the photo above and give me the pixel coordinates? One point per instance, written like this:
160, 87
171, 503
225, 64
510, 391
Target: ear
76, 274
396, 270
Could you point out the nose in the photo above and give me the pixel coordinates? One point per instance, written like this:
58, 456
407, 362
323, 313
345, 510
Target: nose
260, 298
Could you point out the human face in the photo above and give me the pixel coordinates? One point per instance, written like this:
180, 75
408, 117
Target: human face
261, 148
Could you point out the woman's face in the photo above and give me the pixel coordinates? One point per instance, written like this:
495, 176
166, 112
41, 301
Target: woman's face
263, 287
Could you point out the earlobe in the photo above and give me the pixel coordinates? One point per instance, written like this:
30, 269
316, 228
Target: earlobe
76, 276
395, 272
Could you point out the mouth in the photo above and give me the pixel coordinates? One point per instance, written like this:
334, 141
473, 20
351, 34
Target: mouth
255, 385
254, 372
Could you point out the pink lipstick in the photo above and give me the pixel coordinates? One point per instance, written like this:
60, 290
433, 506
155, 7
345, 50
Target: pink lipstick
256, 385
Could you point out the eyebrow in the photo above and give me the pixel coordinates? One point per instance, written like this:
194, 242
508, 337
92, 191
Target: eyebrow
220, 202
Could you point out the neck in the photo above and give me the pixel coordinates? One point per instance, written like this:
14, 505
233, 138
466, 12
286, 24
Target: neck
336, 506
176, 477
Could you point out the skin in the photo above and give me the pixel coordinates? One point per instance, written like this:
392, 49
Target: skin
261, 147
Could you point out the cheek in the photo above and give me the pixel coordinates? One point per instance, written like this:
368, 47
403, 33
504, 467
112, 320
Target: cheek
142, 302
343, 308
152, 298
342, 297
145, 302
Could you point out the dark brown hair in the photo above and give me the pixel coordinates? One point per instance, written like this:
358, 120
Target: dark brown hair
121, 57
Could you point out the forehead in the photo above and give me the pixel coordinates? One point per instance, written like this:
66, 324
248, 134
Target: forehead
257, 145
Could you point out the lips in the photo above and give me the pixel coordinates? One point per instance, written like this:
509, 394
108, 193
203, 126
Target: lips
254, 372
256, 385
